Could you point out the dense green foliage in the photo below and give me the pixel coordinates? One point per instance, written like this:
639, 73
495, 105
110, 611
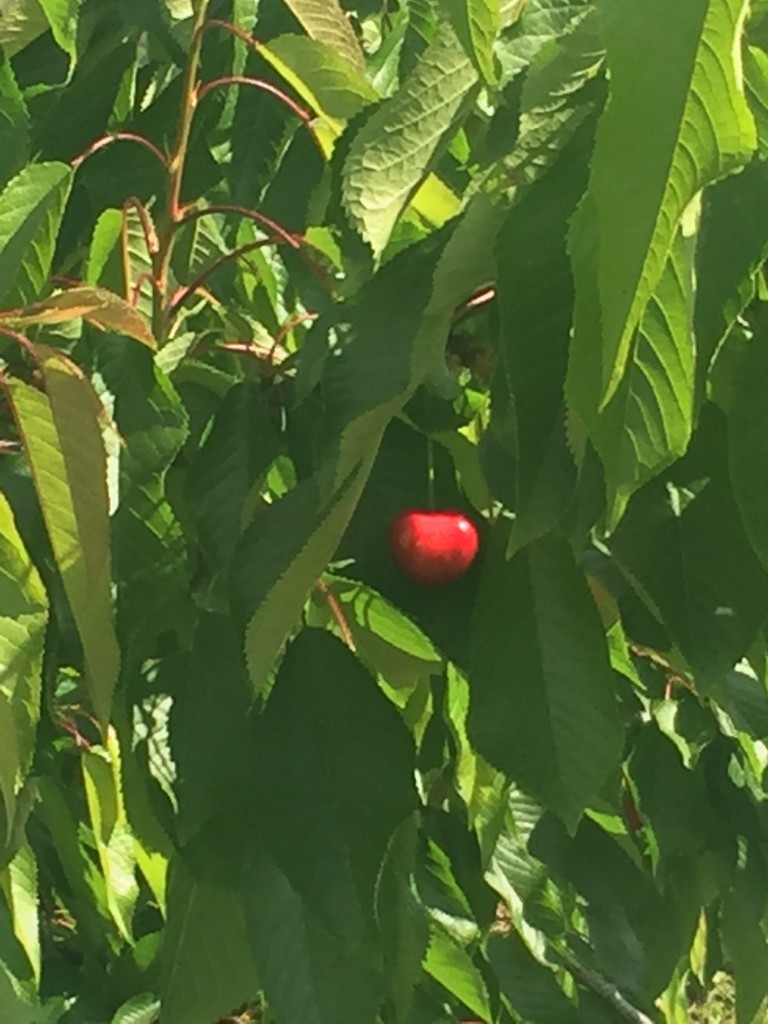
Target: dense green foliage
270, 273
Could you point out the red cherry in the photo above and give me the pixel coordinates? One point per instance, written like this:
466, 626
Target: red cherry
433, 548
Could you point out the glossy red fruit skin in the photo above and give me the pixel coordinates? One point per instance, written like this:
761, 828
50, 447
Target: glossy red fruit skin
433, 549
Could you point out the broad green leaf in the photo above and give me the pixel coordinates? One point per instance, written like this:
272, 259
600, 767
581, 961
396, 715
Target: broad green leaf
393, 152
98, 306
402, 921
23, 620
542, 704
476, 23
23, 21
341, 762
676, 120
333, 88
756, 81
648, 422
673, 799
535, 296
530, 988
211, 735
325, 21
538, 22
102, 777
66, 454
19, 883
748, 453
695, 565
62, 16
143, 1009
730, 252
207, 967
308, 974
15, 1009
747, 946
238, 451
14, 123
452, 966
31, 207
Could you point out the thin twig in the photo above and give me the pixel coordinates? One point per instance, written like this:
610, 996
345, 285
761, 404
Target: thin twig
257, 83
107, 140
183, 293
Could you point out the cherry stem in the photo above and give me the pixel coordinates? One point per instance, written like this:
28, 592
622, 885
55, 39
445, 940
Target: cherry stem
338, 614
430, 474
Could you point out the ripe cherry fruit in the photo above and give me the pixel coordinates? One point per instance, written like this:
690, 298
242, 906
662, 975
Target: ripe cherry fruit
433, 548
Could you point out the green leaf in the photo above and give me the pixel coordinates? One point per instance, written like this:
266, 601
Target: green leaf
325, 21
20, 886
540, 22
342, 761
697, 569
143, 1009
14, 123
23, 21
649, 421
31, 207
530, 988
731, 250
747, 451
393, 152
746, 943
452, 965
542, 705
23, 620
676, 120
207, 967
308, 974
102, 777
322, 78
238, 451
98, 306
535, 295
476, 23
673, 799
62, 16
66, 454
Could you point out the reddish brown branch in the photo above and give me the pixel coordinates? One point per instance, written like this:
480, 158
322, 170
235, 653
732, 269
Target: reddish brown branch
250, 41
147, 227
107, 140
257, 83
182, 294
296, 241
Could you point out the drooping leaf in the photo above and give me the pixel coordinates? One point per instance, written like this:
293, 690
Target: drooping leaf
326, 823
237, 452
731, 250
308, 974
542, 707
14, 123
100, 307
648, 422
535, 295
693, 560
325, 21
62, 16
23, 618
66, 453
102, 777
391, 155
31, 208
207, 967
676, 120
323, 79
448, 962
530, 988
476, 23
748, 458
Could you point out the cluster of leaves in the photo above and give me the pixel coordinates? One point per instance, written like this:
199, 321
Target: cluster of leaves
269, 273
